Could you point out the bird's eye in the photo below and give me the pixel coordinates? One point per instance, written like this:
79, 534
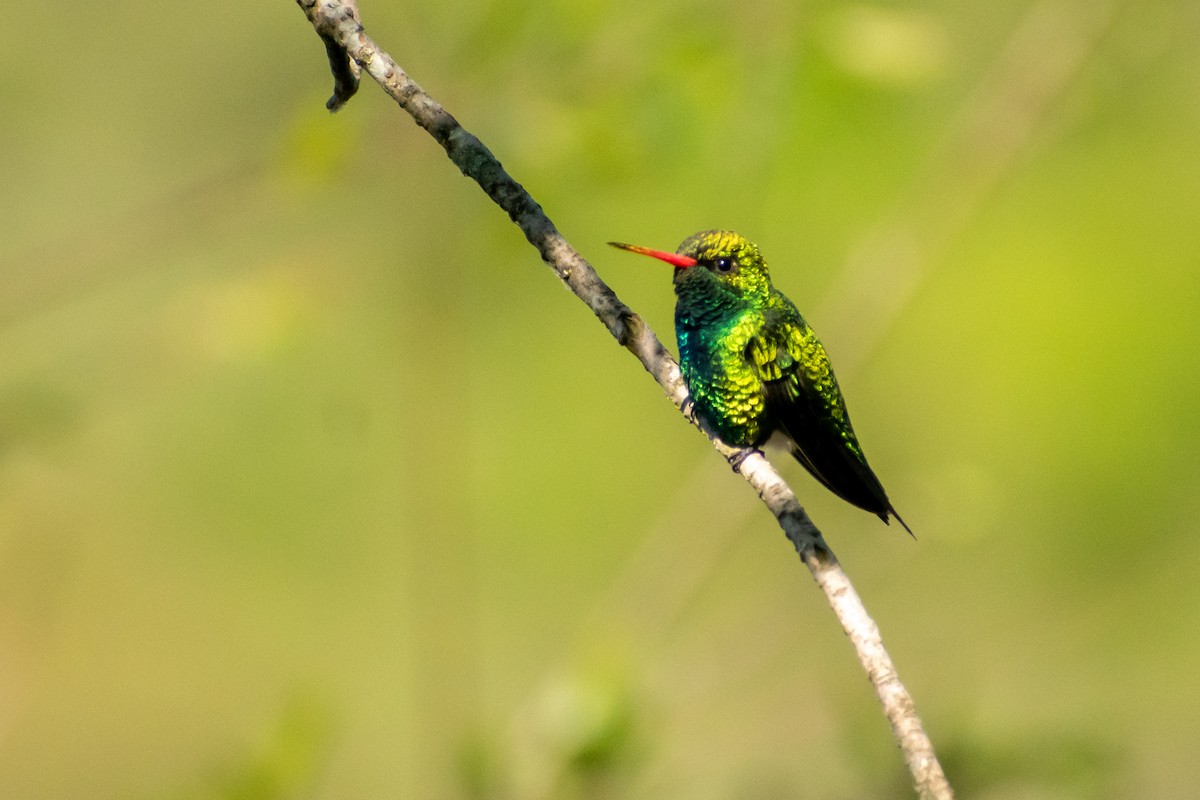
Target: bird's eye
723, 264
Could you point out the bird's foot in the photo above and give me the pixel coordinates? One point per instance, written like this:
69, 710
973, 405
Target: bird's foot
688, 407
736, 461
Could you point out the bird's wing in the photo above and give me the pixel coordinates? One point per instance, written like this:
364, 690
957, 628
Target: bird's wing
803, 399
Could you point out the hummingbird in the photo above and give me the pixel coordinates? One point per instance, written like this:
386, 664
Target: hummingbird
755, 369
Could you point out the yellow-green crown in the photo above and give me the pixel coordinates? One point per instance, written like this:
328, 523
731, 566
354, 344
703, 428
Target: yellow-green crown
731, 257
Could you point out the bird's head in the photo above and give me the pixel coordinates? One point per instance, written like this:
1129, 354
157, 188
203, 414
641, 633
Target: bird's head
715, 261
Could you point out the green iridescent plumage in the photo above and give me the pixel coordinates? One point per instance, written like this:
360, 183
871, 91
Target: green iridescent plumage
754, 367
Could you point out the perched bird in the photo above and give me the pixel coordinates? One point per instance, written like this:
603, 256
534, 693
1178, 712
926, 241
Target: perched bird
754, 368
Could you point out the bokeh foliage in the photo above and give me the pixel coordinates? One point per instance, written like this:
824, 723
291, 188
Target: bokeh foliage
313, 483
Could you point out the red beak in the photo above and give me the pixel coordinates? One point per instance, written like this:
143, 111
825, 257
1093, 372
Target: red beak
674, 259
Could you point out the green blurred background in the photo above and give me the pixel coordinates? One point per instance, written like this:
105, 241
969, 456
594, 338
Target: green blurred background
314, 483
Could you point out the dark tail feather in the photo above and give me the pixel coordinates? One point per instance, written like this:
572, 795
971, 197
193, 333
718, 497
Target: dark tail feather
883, 515
853, 481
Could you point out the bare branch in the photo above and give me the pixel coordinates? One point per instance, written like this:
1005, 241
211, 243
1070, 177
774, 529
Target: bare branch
338, 24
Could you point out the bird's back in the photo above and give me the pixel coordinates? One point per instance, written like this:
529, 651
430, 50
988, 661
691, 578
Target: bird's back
804, 401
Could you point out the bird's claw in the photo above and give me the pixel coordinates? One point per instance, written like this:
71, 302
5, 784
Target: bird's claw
736, 461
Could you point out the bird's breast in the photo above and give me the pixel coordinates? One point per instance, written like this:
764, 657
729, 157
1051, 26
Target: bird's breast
725, 386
